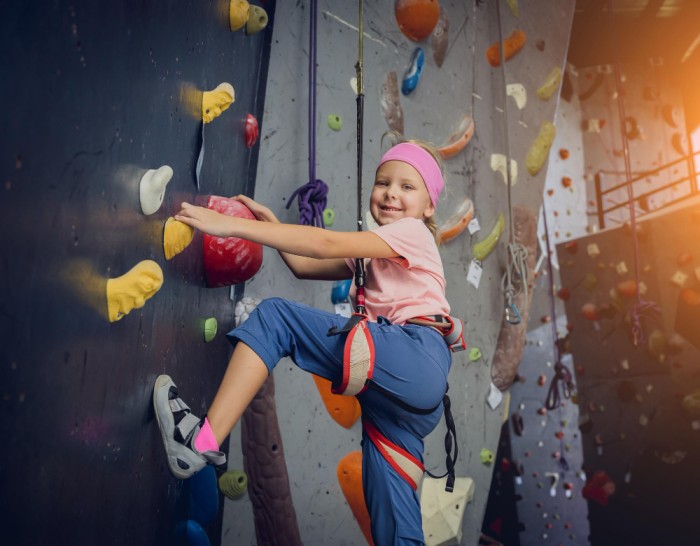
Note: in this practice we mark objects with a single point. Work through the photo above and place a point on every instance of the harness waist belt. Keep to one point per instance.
(405, 464)
(451, 328)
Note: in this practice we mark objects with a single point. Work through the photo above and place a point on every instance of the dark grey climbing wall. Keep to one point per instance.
(95, 93)
(633, 423)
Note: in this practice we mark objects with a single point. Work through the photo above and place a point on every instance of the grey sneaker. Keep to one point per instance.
(179, 428)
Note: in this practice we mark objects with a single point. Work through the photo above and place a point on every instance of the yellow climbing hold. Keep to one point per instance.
(550, 84)
(539, 151)
(233, 484)
(256, 21)
(238, 13)
(484, 247)
(216, 101)
(131, 290)
(176, 237)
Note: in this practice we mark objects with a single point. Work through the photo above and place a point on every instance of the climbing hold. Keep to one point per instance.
(442, 512)
(691, 403)
(566, 182)
(210, 328)
(216, 101)
(439, 40)
(203, 496)
(252, 130)
(679, 278)
(671, 115)
(152, 188)
(571, 247)
(257, 20)
(412, 75)
(679, 143)
(335, 122)
(486, 456)
(599, 488)
(593, 250)
(511, 45)
(457, 223)
(391, 103)
(628, 288)
(176, 237)
(131, 290)
(550, 84)
(328, 217)
(498, 164)
(233, 483)
(656, 344)
(590, 311)
(459, 139)
(513, 6)
(238, 14)
(621, 268)
(484, 247)
(416, 18)
(243, 308)
(517, 423)
(564, 153)
(564, 294)
(344, 410)
(191, 533)
(474, 354)
(539, 150)
(349, 474)
(230, 260)
(519, 94)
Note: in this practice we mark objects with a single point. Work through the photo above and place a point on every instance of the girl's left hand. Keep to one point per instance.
(206, 220)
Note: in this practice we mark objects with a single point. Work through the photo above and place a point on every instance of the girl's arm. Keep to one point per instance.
(309, 252)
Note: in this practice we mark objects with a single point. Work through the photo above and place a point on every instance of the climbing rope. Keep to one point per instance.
(641, 307)
(516, 260)
(359, 262)
(312, 196)
(562, 376)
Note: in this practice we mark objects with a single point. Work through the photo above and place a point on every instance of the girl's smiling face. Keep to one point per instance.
(399, 192)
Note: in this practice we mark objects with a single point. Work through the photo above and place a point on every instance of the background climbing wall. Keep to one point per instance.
(637, 434)
(465, 85)
(656, 133)
(99, 93)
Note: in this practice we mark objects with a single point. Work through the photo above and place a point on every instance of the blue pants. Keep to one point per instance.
(412, 362)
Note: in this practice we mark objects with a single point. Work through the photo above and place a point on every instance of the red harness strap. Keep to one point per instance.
(405, 464)
(358, 358)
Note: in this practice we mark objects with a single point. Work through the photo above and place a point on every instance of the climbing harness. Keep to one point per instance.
(312, 196)
(516, 268)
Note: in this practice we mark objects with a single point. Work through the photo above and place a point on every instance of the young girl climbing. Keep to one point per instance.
(403, 361)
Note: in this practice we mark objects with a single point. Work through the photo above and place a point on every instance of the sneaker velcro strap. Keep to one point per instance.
(176, 404)
(217, 458)
(186, 427)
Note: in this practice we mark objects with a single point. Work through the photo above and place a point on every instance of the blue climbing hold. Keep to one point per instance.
(412, 75)
(191, 533)
(340, 292)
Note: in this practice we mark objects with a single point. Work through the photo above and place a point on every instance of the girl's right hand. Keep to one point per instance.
(261, 212)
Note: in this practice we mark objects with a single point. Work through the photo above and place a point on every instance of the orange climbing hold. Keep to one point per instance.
(511, 45)
(564, 153)
(344, 410)
(590, 311)
(350, 480)
(417, 18)
(566, 182)
(628, 288)
(458, 140)
(458, 222)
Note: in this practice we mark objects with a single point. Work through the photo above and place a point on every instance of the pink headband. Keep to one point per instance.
(422, 161)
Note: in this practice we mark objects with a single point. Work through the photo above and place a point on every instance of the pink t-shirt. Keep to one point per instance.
(408, 286)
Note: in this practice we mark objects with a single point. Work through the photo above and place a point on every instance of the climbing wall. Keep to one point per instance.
(638, 403)
(97, 95)
(465, 85)
(656, 133)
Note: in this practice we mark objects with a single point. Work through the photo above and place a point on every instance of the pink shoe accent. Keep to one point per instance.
(205, 440)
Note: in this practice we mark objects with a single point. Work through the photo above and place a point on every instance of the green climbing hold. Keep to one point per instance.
(474, 354)
(328, 217)
(233, 484)
(335, 122)
(210, 328)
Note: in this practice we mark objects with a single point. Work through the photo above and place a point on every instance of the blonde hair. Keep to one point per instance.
(395, 138)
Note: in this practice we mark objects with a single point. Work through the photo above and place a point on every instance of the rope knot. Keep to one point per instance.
(312, 199)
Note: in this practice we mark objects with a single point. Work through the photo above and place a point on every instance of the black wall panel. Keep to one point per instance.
(94, 94)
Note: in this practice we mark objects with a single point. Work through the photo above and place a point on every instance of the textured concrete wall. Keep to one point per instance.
(465, 84)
